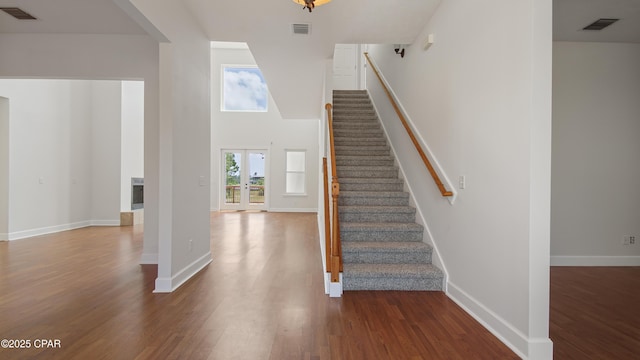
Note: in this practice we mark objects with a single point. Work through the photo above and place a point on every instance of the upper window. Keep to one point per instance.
(243, 89)
(295, 168)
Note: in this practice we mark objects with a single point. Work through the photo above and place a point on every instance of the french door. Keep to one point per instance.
(244, 180)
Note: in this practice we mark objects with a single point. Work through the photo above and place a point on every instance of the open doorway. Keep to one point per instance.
(71, 143)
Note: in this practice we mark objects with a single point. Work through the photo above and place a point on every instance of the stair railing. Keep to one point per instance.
(332, 220)
(415, 142)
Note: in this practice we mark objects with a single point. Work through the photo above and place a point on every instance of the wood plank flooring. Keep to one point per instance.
(261, 298)
(595, 312)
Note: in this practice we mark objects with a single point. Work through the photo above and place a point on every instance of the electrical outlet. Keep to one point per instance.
(632, 240)
(190, 245)
(629, 240)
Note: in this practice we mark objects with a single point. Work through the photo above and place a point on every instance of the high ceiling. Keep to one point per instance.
(286, 59)
(291, 64)
(68, 17)
(341, 21)
(570, 16)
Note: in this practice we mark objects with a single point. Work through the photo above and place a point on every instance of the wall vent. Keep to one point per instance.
(18, 13)
(600, 24)
(301, 29)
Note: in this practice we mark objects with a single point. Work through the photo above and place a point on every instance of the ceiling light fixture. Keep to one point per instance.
(310, 4)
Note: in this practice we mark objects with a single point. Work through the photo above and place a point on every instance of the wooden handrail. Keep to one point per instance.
(415, 142)
(336, 247)
(327, 219)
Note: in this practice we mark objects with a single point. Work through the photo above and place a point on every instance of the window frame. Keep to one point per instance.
(287, 172)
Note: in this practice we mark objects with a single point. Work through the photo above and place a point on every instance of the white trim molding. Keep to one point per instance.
(23, 234)
(526, 348)
(47, 230)
(294, 210)
(167, 285)
(149, 259)
(335, 288)
(105, 222)
(595, 260)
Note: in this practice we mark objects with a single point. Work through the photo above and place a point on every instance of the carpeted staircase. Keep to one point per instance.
(381, 242)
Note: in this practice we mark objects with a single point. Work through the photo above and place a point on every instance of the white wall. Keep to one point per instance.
(480, 98)
(49, 122)
(261, 130)
(90, 56)
(63, 155)
(184, 146)
(132, 139)
(177, 118)
(106, 104)
(4, 168)
(596, 152)
(91, 113)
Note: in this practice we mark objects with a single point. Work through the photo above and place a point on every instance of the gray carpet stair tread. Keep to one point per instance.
(361, 140)
(356, 157)
(361, 148)
(374, 194)
(380, 227)
(346, 180)
(376, 209)
(380, 246)
(392, 270)
(367, 168)
(365, 161)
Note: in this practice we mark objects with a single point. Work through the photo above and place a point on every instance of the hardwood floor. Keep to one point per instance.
(595, 312)
(261, 298)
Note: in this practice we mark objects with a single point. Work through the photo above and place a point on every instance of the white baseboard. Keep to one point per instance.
(105, 222)
(17, 235)
(163, 285)
(47, 230)
(294, 210)
(149, 259)
(167, 285)
(595, 261)
(540, 349)
(524, 347)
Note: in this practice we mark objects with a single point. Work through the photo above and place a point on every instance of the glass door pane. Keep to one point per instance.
(256, 178)
(244, 180)
(232, 177)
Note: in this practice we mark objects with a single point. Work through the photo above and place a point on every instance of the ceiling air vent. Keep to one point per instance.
(600, 24)
(18, 13)
(301, 29)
